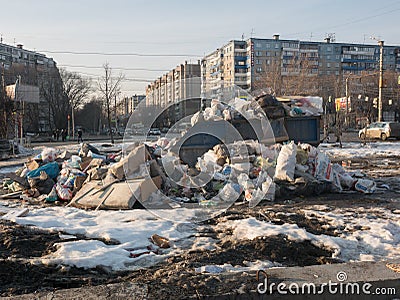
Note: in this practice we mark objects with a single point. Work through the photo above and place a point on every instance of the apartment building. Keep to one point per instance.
(18, 55)
(29, 66)
(225, 66)
(246, 63)
(181, 83)
(129, 104)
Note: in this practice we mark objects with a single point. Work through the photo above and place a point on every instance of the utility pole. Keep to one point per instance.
(22, 103)
(380, 42)
(346, 120)
(73, 120)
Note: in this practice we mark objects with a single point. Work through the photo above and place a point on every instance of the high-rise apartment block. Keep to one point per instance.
(10, 55)
(30, 68)
(179, 89)
(245, 63)
(174, 85)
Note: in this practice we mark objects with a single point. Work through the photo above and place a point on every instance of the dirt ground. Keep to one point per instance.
(176, 278)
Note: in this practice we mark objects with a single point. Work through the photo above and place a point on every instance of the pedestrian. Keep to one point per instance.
(54, 134)
(63, 135)
(80, 135)
(57, 134)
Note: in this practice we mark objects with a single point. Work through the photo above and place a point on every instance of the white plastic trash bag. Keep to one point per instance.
(49, 154)
(286, 162)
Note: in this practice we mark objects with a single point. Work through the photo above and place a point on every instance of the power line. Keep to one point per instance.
(320, 29)
(124, 79)
(119, 54)
(116, 68)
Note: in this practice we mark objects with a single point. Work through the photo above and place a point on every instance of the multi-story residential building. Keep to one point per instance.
(30, 67)
(226, 65)
(18, 55)
(180, 83)
(131, 103)
(247, 63)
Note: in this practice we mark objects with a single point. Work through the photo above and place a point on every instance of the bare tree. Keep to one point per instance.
(298, 78)
(288, 77)
(271, 77)
(51, 88)
(109, 87)
(76, 88)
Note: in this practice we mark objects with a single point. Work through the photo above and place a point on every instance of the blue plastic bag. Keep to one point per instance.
(51, 170)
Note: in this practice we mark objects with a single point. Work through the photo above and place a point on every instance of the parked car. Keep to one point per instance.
(380, 130)
(154, 131)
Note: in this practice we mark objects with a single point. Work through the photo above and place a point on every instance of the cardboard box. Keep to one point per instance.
(120, 195)
(131, 163)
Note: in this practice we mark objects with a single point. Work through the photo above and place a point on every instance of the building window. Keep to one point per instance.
(268, 62)
(268, 46)
(328, 57)
(259, 70)
(258, 61)
(328, 65)
(258, 53)
(258, 45)
(329, 49)
(276, 46)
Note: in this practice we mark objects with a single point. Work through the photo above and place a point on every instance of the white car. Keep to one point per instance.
(380, 130)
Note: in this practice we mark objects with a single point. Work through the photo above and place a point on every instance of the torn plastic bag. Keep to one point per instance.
(63, 193)
(49, 155)
(73, 162)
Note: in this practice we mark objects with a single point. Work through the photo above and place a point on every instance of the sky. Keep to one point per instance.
(179, 31)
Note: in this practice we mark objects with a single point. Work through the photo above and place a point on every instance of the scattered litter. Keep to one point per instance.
(160, 241)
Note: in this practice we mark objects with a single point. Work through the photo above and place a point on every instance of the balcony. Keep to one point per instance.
(239, 50)
(356, 60)
(290, 49)
(309, 50)
(240, 82)
(354, 52)
(240, 58)
(353, 68)
(241, 74)
(215, 73)
(241, 66)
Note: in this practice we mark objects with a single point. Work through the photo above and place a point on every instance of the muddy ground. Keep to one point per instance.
(176, 278)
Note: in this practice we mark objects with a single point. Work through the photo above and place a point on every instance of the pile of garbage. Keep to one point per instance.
(215, 174)
(241, 171)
